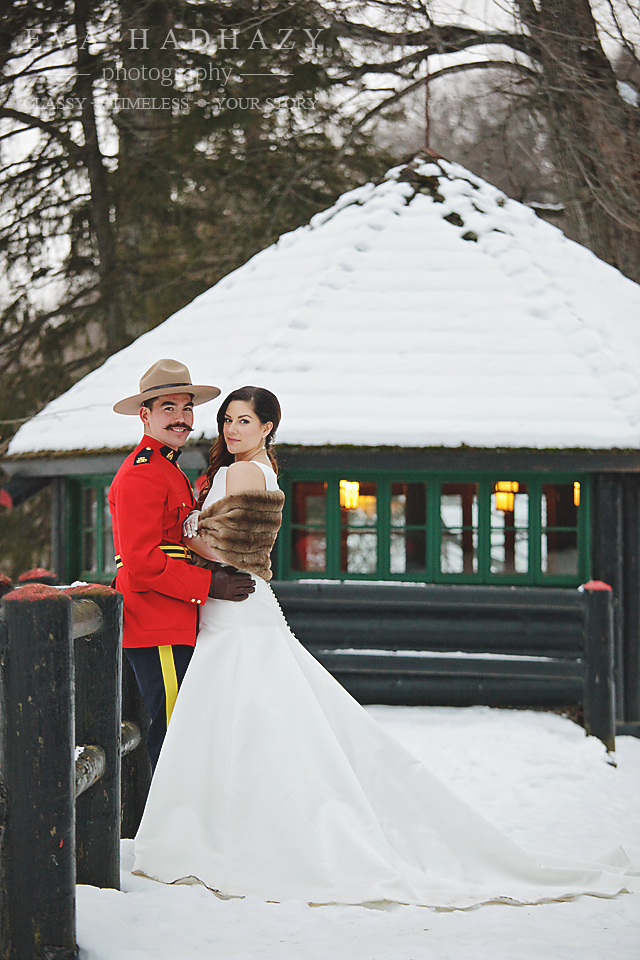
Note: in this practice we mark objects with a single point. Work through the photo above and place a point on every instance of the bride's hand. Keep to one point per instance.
(190, 525)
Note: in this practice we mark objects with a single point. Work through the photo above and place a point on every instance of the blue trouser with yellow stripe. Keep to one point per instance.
(159, 672)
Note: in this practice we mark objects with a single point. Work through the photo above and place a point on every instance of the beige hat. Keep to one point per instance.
(165, 376)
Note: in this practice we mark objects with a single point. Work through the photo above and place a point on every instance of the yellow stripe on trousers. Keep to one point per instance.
(170, 679)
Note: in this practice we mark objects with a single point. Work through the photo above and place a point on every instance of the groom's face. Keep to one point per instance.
(170, 419)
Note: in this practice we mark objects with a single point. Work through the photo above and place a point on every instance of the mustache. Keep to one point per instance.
(184, 426)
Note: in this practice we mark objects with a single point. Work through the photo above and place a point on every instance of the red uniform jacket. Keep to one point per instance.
(149, 499)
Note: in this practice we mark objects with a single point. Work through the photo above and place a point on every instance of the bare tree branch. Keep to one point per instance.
(37, 123)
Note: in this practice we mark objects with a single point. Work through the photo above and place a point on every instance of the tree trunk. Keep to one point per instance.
(113, 325)
(594, 134)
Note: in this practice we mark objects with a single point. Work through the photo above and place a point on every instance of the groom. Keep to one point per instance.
(150, 497)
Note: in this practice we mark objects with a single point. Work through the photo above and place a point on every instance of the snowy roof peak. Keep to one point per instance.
(431, 177)
(426, 310)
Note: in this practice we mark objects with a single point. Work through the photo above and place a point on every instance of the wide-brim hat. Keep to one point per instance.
(165, 376)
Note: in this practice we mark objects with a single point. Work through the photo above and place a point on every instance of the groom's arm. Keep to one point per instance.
(150, 510)
(147, 511)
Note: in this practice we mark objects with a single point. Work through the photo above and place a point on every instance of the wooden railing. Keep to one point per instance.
(463, 645)
(60, 652)
(61, 685)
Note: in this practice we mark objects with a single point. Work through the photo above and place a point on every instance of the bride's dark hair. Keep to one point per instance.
(266, 408)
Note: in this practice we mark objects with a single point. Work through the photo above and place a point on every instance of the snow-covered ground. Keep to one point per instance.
(535, 775)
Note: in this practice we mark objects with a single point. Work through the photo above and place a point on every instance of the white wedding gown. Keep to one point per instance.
(274, 781)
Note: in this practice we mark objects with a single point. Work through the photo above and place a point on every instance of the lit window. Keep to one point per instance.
(509, 527)
(358, 535)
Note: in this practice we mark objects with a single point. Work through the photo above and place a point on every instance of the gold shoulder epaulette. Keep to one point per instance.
(144, 456)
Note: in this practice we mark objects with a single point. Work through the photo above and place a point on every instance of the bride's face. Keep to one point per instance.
(244, 434)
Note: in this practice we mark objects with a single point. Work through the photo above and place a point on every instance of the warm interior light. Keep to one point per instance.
(505, 491)
(349, 494)
(576, 494)
(505, 501)
(367, 505)
(507, 486)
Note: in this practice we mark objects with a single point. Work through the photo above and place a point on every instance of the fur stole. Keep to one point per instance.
(241, 528)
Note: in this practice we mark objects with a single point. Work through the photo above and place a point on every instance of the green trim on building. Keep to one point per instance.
(90, 554)
(443, 546)
(409, 525)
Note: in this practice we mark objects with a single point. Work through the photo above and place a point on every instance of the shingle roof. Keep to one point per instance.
(427, 310)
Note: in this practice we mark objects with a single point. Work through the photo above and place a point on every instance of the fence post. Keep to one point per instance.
(38, 864)
(599, 695)
(98, 660)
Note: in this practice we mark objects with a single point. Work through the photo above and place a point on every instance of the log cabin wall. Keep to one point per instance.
(614, 520)
(615, 558)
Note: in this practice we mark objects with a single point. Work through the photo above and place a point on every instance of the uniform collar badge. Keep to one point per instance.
(170, 454)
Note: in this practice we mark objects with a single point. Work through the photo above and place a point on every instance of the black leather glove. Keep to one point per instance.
(227, 583)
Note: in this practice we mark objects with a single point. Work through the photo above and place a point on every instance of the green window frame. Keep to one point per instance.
(90, 545)
(90, 554)
(531, 544)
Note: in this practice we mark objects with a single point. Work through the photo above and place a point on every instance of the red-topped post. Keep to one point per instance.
(37, 890)
(599, 695)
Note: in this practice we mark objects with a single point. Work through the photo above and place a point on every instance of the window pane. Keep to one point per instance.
(109, 563)
(408, 551)
(558, 507)
(509, 550)
(358, 552)
(459, 505)
(559, 547)
(560, 552)
(459, 523)
(308, 551)
(89, 521)
(509, 523)
(459, 551)
(309, 508)
(365, 512)
(518, 516)
(309, 503)
(408, 504)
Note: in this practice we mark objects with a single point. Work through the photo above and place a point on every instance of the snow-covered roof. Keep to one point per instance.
(427, 310)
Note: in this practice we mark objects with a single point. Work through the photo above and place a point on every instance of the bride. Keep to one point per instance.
(274, 781)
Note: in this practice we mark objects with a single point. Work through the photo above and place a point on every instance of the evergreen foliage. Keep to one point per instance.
(142, 163)
(25, 535)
